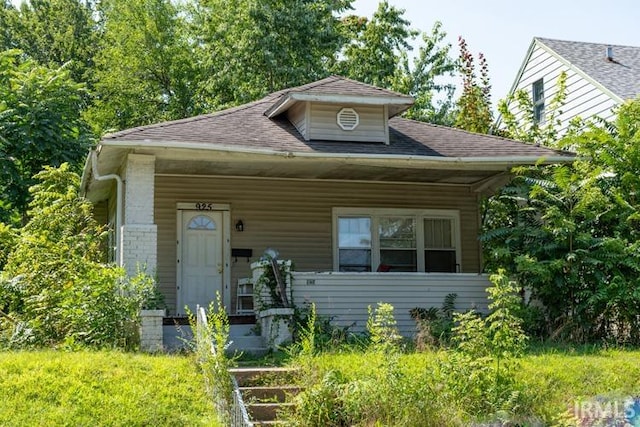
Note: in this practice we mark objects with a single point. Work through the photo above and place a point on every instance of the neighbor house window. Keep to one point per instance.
(408, 240)
(537, 91)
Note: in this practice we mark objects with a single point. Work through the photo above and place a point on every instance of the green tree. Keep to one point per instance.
(574, 241)
(474, 105)
(40, 124)
(374, 52)
(145, 70)
(425, 79)
(6, 36)
(55, 288)
(378, 53)
(54, 33)
(250, 48)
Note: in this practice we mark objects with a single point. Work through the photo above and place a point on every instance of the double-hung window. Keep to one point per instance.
(537, 95)
(369, 239)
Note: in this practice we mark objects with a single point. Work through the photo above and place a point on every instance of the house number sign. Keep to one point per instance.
(204, 206)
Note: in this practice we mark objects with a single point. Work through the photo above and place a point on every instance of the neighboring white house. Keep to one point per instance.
(600, 77)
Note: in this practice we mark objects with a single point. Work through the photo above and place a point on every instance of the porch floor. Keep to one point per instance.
(234, 319)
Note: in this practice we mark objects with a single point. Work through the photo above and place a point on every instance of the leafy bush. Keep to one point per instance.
(7, 242)
(434, 325)
(382, 328)
(480, 370)
(55, 289)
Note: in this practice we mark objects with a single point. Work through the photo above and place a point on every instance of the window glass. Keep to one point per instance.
(537, 90)
(354, 244)
(437, 233)
(397, 232)
(201, 222)
(440, 253)
(398, 243)
(354, 232)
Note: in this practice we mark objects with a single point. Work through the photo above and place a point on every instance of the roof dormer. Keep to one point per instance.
(339, 109)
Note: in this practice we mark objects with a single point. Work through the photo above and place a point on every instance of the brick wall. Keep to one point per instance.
(139, 232)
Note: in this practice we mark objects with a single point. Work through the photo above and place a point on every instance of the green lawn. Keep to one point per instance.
(47, 388)
(558, 387)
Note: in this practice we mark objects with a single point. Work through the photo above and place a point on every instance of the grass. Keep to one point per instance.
(47, 388)
(553, 383)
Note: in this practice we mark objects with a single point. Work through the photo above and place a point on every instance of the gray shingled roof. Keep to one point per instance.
(621, 76)
(246, 126)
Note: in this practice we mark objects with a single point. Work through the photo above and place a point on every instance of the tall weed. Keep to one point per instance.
(211, 344)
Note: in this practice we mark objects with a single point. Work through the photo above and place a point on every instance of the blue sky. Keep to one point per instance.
(503, 29)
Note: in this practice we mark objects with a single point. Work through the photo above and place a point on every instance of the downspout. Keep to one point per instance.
(98, 177)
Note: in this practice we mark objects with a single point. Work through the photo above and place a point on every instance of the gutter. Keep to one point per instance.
(94, 168)
(434, 160)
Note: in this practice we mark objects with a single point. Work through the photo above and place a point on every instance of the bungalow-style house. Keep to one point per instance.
(599, 78)
(367, 205)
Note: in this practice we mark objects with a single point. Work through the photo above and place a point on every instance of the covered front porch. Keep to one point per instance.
(344, 297)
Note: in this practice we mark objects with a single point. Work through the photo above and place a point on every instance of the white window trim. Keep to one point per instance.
(418, 214)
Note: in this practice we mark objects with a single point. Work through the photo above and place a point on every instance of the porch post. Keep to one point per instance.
(139, 233)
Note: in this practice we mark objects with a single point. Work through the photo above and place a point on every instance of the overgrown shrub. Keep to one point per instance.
(55, 288)
(434, 325)
(480, 370)
(376, 397)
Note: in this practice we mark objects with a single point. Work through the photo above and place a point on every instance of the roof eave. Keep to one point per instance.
(428, 161)
(397, 104)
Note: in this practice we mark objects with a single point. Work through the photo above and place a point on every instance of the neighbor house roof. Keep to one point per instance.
(619, 74)
(248, 128)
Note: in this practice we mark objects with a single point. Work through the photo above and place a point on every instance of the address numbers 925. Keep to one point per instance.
(204, 206)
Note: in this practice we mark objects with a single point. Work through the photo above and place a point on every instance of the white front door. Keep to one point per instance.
(201, 259)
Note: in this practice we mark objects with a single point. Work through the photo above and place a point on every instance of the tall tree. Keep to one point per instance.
(374, 53)
(251, 47)
(426, 79)
(54, 33)
(145, 70)
(378, 54)
(40, 125)
(474, 105)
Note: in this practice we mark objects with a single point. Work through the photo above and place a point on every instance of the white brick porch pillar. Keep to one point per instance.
(139, 233)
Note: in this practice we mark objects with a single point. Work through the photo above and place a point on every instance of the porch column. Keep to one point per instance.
(139, 233)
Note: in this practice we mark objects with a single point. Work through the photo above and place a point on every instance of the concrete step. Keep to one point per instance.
(266, 411)
(276, 393)
(271, 423)
(263, 376)
(249, 344)
(241, 330)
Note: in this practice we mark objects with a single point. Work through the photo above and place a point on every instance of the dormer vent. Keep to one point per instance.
(348, 119)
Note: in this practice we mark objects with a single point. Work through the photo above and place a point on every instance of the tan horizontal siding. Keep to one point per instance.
(344, 297)
(323, 123)
(295, 217)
